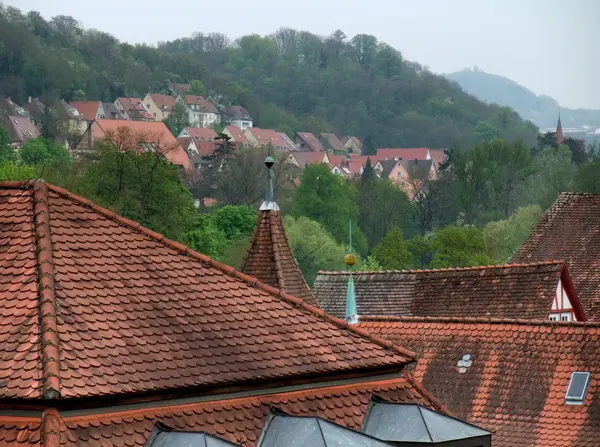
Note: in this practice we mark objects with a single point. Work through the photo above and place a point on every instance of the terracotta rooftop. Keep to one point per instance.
(163, 102)
(419, 153)
(570, 232)
(311, 142)
(237, 135)
(309, 158)
(238, 113)
(333, 141)
(134, 106)
(205, 106)
(99, 310)
(89, 109)
(505, 291)
(201, 133)
(20, 128)
(510, 376)
(438, 155)
(155, 131)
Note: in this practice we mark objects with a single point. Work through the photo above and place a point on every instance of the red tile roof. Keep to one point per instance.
(419, 153)
(237, 419)
(505, 291)
(438, 155)
(96, 305)
(311, 142)
(336, 159)
(237, 134)
(20, 129)
(333, 141)
(134, 106)
(517, 379)
(570, 231)
(163, 102)
(205, 106)
(269, 258)
(89, 109)
(266, 137)
(202, 133)
(155, 131)
(304, 158)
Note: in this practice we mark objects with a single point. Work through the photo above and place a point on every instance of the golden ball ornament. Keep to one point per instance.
(350, 259)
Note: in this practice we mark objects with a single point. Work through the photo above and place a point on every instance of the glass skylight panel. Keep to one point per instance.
(578, 387)
(337, 436)
(186, 439)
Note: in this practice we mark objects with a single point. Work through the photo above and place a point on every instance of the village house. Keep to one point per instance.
(36, 110)
(115, 335)
(202, 113)
(111, 111)
(267, 137)
(239, 117)
(71, 120)
(20, 129)
(408, 175)
(137, 135)
(534, 383)
(132, 109)
(306, 141)
(199, 133)
(353, 145)
(331, 142)
(538, 291)
(237, 136)
(159, 106)
(570, 232)
(409, 153)
(10, 108)
(302, 159)
(91, 110)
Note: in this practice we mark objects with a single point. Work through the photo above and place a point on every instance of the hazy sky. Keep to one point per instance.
(549, 46)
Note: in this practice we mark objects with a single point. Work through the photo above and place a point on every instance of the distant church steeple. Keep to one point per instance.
(560, 137)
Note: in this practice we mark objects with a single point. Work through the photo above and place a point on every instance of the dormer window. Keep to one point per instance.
(578, 387)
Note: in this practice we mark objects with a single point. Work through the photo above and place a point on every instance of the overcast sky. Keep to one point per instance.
(549, 46)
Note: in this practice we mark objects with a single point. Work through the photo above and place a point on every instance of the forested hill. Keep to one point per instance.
(542, 110)
(290, 80)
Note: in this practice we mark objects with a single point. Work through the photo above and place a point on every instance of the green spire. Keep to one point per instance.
(269, 203)
(351, 312)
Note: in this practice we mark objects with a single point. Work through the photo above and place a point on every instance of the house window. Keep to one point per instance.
(399, 174)
(154, 114)
(553, 317)
(565, 316)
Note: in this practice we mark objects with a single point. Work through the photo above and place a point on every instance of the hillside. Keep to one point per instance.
(541, 110)
(291, 80)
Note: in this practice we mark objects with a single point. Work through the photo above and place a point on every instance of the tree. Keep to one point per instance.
(38, 151)
(470, 168)
(554, 173)
(330, 200)
(313, 247)
(455, 246)
(7, 153)
(486, 132)
(392, 252)
(504, 237)
(235, 221)
(9, 170)
(588, 177)
(207, 239)
(197, 88)
(178, 119)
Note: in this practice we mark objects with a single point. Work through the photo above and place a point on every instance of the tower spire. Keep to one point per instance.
(350, 259)
(560, 137)
(269, 203)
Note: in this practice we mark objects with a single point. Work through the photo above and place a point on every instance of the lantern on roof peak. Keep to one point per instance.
(269, 202)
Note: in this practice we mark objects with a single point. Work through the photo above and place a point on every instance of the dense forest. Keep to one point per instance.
(290, 80)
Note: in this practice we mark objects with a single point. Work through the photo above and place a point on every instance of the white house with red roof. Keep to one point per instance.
(202, 113)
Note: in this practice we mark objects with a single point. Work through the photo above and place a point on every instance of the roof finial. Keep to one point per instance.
(269, 203)
(350, 259)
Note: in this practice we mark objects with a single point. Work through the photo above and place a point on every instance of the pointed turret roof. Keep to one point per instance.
(269, 256)
(560, 137)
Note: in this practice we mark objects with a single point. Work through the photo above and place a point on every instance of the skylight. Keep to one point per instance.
(291, 431)
(165, 436)
(578, 387)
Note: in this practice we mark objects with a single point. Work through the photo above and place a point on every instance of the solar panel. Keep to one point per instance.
(578, 386)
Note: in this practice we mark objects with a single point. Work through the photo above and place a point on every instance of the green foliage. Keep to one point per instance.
(369, 265)
(11, 171)
(504, 237)
(207, 239)
(313, 247)
(197, 88)
(7, 153)
(455, 246)
(393, 253)
(554, 173)
(486, 132)
(178, 119)
(39, 151)
(291, 80)
(330, 200)
(235, 221)
(588, 177)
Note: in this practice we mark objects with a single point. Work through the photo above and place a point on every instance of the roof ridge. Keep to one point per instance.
(291, 300)
(46, 292)
(474, 320)
(448, 269)
(51, 421)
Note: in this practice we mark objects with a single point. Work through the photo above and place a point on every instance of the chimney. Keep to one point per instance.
(29, 100)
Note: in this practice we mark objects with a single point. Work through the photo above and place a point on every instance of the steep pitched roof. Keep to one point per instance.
(270, 259)
(309, 158)
(35, 108)
(95, 305)
(510, 376)
(570, 232)
(89, 109)
(560, 136)
(419, 153)
(110, 111)
(333, 141)
(134, 106)
(238, 113)
(20, 128)
(163, 102)
(438, 155)
(417, 169)
(205, 106)
(201, 134)
(154, 130)
(237, 134)
(311, 142)
(237, 419)
(505, 291)
(266, 137)
(9, 108)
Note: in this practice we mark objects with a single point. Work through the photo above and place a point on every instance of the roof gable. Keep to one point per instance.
(570, 232)
(205, 106)
(333, 141)
(20, 128)
(201, 133)
(89, 109)
(124, 310)
(163, 102)
(505, 291)
(311, 141)
(509, 376)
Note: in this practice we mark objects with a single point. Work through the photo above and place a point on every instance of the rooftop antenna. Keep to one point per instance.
(269, 203)
(350, 259)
